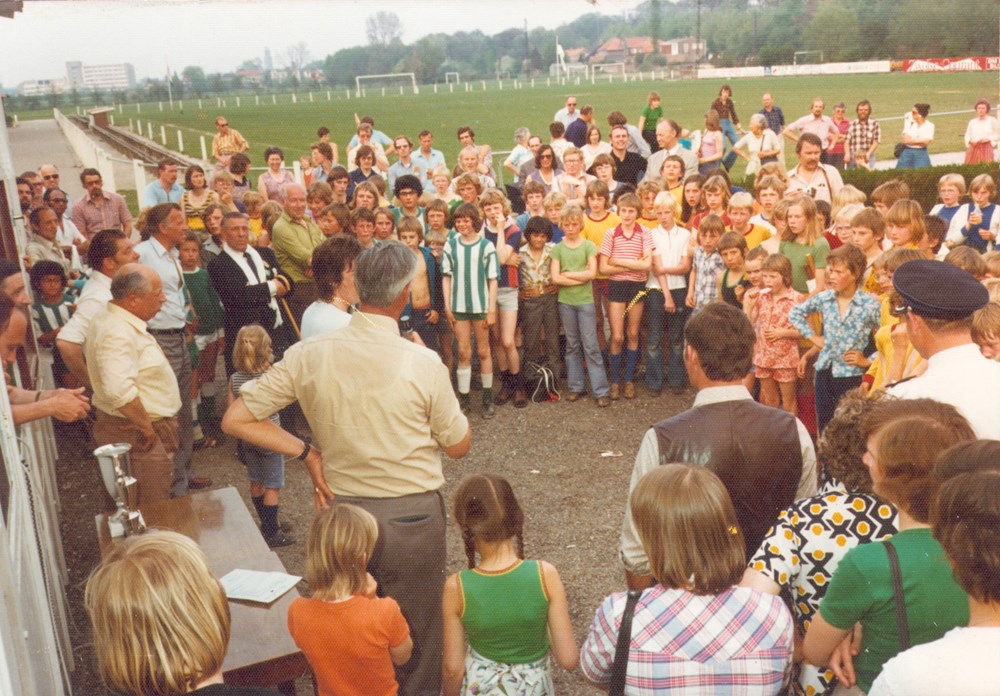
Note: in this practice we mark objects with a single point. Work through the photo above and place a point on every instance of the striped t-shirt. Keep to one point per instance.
(471, 267)
(50, 317)
(617, 245)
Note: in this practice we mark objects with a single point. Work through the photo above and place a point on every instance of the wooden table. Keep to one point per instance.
(261, 651)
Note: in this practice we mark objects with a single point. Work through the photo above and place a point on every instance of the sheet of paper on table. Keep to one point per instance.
(256, 585)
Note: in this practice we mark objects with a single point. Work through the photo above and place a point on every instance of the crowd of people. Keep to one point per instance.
(803, 310)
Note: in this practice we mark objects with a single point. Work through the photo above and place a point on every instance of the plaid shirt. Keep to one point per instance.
(707, 268)
(861, 136)
(736, 642)
(229, 144)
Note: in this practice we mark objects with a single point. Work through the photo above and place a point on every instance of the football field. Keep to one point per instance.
(494, 113)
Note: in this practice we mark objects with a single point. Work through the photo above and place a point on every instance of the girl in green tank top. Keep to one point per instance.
(504, 614)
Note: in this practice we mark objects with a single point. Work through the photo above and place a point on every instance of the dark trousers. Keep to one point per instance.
(427, 331)
(657, 316)
(409, 565)
(535, 313)
(179, 357)
(828, 390)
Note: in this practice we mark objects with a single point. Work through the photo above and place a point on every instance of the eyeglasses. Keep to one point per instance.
(51, 176)
(221, 125)
(58, 200)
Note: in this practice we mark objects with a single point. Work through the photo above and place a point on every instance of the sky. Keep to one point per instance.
(220, 34)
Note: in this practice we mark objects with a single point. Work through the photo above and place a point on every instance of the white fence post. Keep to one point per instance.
(180, 141)
(256, 99)
(204, 150)
(149, 129)
(237, 101)
(138, 108)
(163, 135)
(139, 174)
(274, 99)
(297, 172)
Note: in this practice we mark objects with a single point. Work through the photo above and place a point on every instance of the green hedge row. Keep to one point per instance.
(922, 182)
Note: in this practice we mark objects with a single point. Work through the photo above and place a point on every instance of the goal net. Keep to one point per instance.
(450, 77)
(388, 83)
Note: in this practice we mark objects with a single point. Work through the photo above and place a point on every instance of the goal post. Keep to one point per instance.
(450, 77)
(386, 80)
(609, 69)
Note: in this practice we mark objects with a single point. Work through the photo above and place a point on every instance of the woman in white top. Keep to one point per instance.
(981, 135)
(918, 133)
(965, 519)
(333, 270)
(520, 154)
(594, 147)
(761, 145)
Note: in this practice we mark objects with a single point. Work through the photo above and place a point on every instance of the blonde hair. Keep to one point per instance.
(571, 212)
(813, 230)
(665, 199)
(846, 196)
(253, 200)
(160, 618)
(555, 198)
(492, 196)
(953, 179)
(270, 213)
(992, 261)
(341, 542)
(252, 352)
(986, 320)
(741, 200)
(984, 182)
(908, 213)
(688, 529)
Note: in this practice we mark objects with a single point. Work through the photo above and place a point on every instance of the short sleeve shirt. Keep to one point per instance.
(575, 259)
(617, 244)
(471, 267)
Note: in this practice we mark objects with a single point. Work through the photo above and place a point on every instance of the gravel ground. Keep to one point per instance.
(573, 500)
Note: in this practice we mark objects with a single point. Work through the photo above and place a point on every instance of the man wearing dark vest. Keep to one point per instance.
(763, 455)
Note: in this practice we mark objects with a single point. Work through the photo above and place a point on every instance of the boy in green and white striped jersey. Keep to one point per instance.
(469, 271)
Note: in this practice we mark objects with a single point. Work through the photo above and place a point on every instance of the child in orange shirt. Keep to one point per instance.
(350, 637)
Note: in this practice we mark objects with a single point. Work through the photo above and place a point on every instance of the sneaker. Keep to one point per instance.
(489, 410)
(573, 396)
(603, 402)
(616, 392)
(280, 539)
(629, 391)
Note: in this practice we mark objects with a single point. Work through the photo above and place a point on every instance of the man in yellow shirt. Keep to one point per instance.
(135, 390)
(227, 142)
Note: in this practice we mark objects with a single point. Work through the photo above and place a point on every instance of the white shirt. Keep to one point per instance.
(94, 298)
(962, 377)
(672, 247)
(320, 318)
(565, 117)
(261, 275)
(66, 236)
(826, 187)
(962, 662)
(985, 129)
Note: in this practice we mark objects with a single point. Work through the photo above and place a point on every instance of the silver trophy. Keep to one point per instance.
(116, 470)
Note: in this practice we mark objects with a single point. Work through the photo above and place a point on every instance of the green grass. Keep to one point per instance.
(494, 113)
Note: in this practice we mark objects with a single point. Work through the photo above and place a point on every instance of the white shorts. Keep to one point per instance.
(507, 299)
(207, 339)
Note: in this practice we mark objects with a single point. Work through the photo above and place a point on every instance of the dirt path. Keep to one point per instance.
(573, 500)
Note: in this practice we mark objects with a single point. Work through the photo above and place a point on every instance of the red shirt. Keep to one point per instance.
(618, 245)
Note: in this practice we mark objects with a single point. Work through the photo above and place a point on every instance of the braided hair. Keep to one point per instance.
(485, 508)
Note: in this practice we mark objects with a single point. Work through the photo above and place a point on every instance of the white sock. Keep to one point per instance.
(464, 375)
(487, 380)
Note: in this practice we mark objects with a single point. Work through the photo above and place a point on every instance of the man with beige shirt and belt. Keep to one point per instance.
(381, 409)
(135, 390)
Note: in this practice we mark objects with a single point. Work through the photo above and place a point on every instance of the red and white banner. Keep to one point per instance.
(967, 64)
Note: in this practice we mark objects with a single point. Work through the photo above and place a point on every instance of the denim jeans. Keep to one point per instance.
(580, 328)
(728, 131)
(913, 158)
(657, 316)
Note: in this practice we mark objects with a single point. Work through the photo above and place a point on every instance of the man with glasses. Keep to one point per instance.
(227, 142)
(99, 209)
(68, 236)
(50, 179)
(567, 114)
(165, 188)
(405, 164)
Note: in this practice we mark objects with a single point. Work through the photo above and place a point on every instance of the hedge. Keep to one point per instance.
(922, 182)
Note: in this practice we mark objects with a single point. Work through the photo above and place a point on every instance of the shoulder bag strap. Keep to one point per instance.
(617, 685)
(897, 593)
